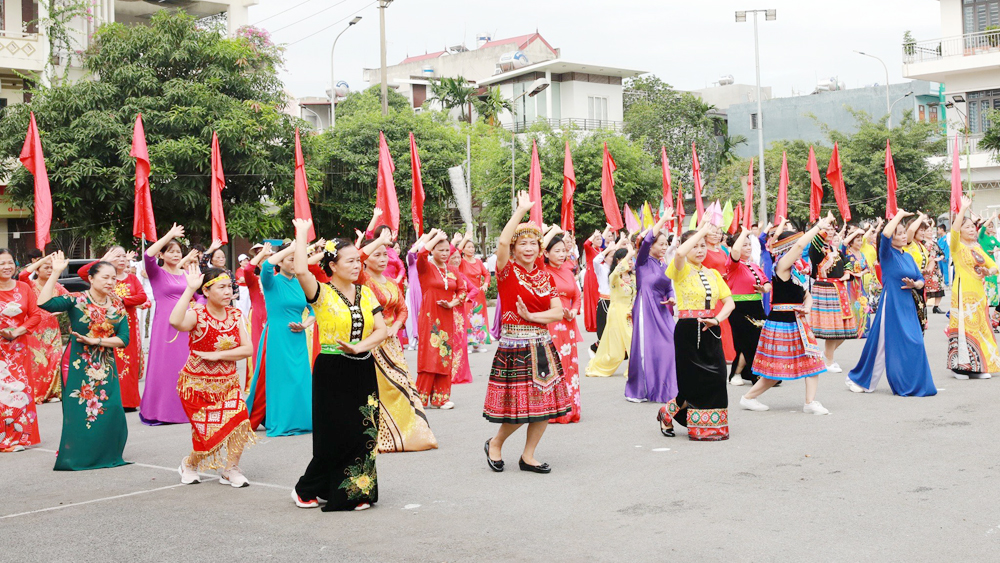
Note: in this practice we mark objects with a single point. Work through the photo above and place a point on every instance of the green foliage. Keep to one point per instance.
(454, 93)
(637, 179)
(187, 82)
(991, 137)
(862, 155)
(657, 115)
(493, 105)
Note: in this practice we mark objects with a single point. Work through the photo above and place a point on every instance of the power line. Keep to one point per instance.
(282, 12)
(365, 7)
(309, 17)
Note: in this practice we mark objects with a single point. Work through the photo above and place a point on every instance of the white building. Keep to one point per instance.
(966, 59)
(25, 51)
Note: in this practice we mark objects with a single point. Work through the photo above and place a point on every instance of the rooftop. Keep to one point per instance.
(560, 66)
(424, 57)
(516, 43)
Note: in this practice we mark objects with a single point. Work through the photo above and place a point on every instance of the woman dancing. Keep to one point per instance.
(748, 283)
(46, 348)
(565, 332)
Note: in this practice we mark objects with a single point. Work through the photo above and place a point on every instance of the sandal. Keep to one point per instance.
(665, 429)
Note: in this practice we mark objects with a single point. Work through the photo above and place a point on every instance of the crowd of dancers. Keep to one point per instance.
(322, 325)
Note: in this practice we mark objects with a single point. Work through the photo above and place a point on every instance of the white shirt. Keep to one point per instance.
(755, 252)
(603, 273)
(491, 263)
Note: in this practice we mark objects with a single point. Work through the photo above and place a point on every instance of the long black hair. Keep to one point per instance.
(620, 254)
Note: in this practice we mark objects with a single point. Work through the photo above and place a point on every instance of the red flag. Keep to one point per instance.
(835, 174)
(956, 181)
(535, 186)
(697, 183)
(33, 159)
(385, 197)
(816, 187)
(668, 195)
(218, 184)
(781, 208)
(891, 183)
(734, 224)
(302, 210)
(569, 188)
(679, 212)
(143, 224)
(748, 198)
(611, 211)
(418, 189)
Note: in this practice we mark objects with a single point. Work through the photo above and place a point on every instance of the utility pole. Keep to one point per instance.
(382, 5)
(769, 15)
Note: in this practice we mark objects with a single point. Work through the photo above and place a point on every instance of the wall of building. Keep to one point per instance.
(951, 18)
(730, 94)
(475, 65)
(788, 118)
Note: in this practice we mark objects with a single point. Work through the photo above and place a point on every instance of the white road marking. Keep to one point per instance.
(60, 507)
(411, 506)
(661, 449)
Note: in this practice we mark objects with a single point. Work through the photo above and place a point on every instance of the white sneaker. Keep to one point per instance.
(753, 405)
(304, 503)
(362, 506)
(980, 376)
(635, 400)
(233, 477)
(854, 387)
(189, 475)
(961, 376)
(834, 368)
(17, 448)
(448, 406)
(737, 382)
(815, 408)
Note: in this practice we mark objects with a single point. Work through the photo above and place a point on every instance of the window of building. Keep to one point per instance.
(597, 108)
(979, 106)
(977, 15)
(923, 112)
(753, 120)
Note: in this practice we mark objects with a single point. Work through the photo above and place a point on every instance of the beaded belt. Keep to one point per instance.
(522, 331)
(784, 307)
(695, 313)
(748, 297)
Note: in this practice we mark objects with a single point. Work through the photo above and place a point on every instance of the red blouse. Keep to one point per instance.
(391, 295)
(743, 275)
(536, 288)
(476, 272)
(213, 335)
(717, 260)
(565, 286)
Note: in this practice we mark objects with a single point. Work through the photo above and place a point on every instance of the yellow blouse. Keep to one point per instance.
(690, 285)
(871, 255)
(919, 254)
(336, 320)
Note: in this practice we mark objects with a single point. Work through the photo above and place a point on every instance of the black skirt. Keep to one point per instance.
(345, 433)
(701, 372)
(746, 335)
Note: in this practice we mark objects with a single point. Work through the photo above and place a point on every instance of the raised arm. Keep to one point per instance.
(911, 231)
(276, 259)
(182, 317)
(384, 239)
(306, 279)
(265, 252)
(890, 228)
(784, 265)
(177, 231)
(59, 264)
(524, 205)
(736, 252)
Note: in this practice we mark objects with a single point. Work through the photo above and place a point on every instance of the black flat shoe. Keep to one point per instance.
(494, 465)
(660, 417)
(543, 468)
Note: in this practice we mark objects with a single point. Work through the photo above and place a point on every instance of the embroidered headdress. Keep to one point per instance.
(528, 229)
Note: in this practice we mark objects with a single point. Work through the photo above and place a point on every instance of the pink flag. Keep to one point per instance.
(418, 188)
(385, 196)
(631, 220)
(302, 210)
(218, 184)
(781, 208)
(535, 186)
(611, 212)
(891, 183)
(697, 183)
(143, 224)
(33, 159)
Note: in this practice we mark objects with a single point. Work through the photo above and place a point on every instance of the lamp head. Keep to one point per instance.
(771, 15)
(959, 99)
(741, 16)
(355, 20)
(537, 86)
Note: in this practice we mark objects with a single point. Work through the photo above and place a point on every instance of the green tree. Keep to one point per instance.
(493, 105)
(656, 115)
(922, 185)
(187, 82)
(454, 93)
(991, 137)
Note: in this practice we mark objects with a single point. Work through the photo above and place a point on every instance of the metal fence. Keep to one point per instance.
(959, 46)
(966, 145)
(568, 123)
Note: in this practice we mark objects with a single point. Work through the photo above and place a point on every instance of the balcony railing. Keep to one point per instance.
(966, 145)
(568, 123)
(960, 46)
(20, 50)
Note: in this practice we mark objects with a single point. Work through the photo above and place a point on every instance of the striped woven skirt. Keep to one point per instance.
(526, 379)
(831, 316)
(781, 354)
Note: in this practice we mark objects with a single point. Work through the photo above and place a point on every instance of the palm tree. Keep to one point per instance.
(492, 105)
(452, 93)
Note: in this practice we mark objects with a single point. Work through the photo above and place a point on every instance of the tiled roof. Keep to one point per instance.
(520, 41)
(424, 57)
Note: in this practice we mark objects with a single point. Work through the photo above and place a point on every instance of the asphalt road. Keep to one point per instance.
(882, 478)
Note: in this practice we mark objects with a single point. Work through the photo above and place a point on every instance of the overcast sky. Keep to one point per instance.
(689, 44)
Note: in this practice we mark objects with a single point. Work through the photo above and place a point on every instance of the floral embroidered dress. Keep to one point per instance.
(479, 329)
(129, 359)
(93, 429)
(46, 351)
(444, 348)
(18, 419)
(210, 390)
(856, 263)
(345, 403)
(972, 348)
(566, 335)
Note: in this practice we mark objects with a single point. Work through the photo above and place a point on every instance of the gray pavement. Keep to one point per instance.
(882, 478)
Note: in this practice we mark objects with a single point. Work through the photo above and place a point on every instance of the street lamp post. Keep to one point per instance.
(382, 5)
(536, 87)
(968, 144)
(888, 107)
(769, 15)
(333, 80)
(893, 104)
